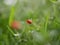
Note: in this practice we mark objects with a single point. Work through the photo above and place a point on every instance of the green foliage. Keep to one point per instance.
(45, 27)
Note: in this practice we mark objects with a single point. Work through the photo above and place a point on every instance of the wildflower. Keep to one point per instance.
(29, 21)
(17, 34)
(16, 25)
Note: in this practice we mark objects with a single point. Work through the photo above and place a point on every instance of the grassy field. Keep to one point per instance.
(29, 22)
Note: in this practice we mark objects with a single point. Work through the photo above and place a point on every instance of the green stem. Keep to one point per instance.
(11, 17)
(10, 30)
(47, 15)
(46, 23)
(46, 20)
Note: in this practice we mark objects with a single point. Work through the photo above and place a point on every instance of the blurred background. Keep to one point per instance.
(29, 22)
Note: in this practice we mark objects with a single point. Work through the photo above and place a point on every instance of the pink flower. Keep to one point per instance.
(16, 25)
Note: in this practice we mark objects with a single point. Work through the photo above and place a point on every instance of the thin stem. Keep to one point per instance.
(46, 20)
(10, 30)
(46, 23)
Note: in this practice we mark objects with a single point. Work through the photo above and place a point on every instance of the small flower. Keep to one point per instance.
(16, 25)
(17, 34)
(29, 21)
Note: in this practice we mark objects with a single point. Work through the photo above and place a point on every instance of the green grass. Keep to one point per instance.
(45, 27)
